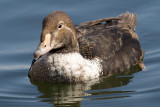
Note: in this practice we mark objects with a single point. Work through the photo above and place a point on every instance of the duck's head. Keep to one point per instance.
(58, 32)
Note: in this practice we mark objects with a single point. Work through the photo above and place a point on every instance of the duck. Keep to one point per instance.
(90, 50)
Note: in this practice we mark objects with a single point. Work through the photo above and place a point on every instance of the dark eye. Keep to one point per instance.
(60, 25)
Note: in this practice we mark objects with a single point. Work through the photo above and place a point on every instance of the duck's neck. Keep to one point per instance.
(73, 46)
(70, 48)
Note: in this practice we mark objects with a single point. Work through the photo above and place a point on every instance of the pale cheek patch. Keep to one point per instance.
(74, 67)
(69, 29)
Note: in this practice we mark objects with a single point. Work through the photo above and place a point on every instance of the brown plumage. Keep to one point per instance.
(112, 41)
(115, 42)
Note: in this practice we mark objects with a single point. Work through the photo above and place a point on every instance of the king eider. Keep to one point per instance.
(92, 49)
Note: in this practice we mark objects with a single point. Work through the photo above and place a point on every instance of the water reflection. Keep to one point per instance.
(64, 94)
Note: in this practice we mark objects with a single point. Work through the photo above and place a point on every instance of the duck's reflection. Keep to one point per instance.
(63, 94)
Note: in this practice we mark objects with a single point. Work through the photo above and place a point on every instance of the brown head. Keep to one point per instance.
(58, 32)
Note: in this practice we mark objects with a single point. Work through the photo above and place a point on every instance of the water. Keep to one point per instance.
(20, 28)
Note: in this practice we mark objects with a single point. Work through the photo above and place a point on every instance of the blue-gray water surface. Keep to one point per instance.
(20, 28)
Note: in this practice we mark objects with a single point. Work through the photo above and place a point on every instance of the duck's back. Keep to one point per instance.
(114, 42)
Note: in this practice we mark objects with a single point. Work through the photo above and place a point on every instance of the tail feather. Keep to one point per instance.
(128, 18)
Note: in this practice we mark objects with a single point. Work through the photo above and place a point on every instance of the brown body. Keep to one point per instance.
(115, 42)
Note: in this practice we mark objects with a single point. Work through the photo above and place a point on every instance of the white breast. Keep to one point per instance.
(74, 66)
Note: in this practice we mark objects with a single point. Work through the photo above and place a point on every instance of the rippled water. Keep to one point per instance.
(20, 28)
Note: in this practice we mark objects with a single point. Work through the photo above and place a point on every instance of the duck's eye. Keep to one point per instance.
(60, 25)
